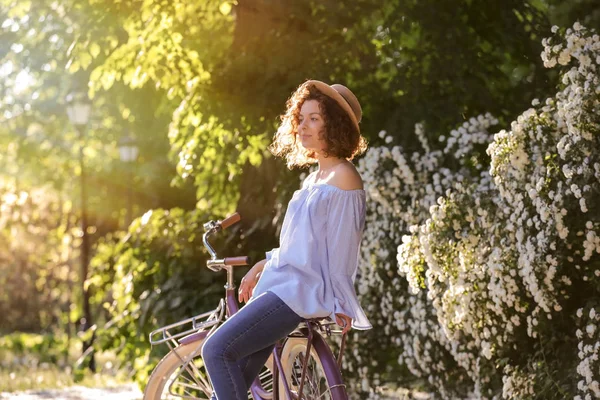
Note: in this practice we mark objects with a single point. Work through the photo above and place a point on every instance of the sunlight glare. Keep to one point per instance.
(16, 47)
(6, 69)
(23, 81)
(7, 23)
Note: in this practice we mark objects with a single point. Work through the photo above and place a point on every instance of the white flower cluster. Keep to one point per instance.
(546, 170)
(402, 188)
(589, 350)
(462, 141)
(517, 384)
(488, 256)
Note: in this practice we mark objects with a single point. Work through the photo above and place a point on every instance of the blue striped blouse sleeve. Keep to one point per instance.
(273, 255)
(345, 223)
(269, 253)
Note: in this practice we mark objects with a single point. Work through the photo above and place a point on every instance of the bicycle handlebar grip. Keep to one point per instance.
(242, 260)
(232, 219)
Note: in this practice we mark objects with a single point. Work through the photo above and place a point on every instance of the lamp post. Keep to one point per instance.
(79, 109)
(128, 152)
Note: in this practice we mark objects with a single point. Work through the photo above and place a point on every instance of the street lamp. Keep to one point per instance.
(79, 109)
(128, 152)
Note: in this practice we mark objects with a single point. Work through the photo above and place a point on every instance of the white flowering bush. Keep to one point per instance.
(588, 348)
(408, 339)
(475, 261)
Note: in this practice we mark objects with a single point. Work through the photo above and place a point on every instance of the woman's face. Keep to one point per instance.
(311, 126)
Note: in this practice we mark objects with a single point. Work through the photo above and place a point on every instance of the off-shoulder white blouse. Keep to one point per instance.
(314, 268)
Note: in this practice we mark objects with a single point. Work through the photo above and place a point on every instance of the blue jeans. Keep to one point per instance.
(236, 352)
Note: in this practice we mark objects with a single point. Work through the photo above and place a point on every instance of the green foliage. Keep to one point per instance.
(37, 269)
(40, 153)
(441, 63)
(40, 146)
(46, 348)
(565, 13)
(43, 361)
(154, 275)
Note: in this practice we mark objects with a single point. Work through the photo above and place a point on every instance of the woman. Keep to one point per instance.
(311, 274)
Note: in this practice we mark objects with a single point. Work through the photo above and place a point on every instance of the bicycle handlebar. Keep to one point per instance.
(242, 260)
(232, 219)
(216, 264)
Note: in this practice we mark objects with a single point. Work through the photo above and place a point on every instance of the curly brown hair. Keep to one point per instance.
(341, 136)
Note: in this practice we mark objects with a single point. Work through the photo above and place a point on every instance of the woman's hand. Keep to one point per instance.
(249, 281)
(344, 321)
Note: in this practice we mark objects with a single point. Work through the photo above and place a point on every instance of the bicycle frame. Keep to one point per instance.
(229, 305)
(314, 339)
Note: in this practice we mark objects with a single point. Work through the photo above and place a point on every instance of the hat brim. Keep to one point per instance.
(335, 95)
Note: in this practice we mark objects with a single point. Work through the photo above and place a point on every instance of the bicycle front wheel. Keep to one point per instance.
(322, 380)
(181, 375)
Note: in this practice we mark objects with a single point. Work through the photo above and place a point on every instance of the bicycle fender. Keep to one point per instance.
(194, 337)
(338, 389)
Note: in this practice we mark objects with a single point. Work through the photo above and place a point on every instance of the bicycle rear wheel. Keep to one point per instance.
(323, 379)
(181, 375)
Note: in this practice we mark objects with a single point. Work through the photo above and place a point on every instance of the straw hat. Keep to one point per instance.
(344, 97)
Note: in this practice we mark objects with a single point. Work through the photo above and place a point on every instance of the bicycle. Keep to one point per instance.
(301, 367)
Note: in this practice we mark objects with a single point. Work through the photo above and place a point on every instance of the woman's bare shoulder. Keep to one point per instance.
(346, 177)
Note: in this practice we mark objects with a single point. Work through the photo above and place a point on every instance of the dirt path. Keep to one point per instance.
(125, 392)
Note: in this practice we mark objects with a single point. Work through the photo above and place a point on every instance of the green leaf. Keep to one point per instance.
(225, 8)
(94, 50)
(73, 66)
